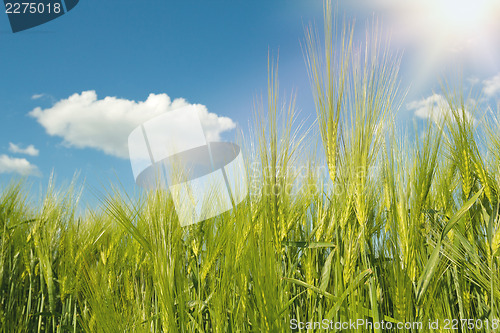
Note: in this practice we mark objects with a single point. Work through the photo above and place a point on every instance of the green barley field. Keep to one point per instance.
(351, 220)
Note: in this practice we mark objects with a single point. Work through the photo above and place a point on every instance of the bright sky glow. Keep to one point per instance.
(440, 33)
(456, 21)
(464, 13)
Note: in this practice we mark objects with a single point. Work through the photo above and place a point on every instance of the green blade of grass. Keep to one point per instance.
(433, 261)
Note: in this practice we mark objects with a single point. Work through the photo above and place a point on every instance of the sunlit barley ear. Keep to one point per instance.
(328, 66)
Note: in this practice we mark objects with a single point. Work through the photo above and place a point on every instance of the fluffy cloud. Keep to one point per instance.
(37, 96)
(434, 107)
(431, 107)
(492, 86)
(473, 80)
(84, 121)
(17, 165)
(30, 150)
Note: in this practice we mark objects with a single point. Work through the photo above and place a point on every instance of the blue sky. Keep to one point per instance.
(212, 53)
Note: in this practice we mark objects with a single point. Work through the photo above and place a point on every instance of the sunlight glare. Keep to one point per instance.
(463, 16)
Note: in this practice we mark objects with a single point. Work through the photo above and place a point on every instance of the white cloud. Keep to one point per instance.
(434, 107)
(431, 107)
(492, 86)
(30, 150)
(17, 165)
(84, 121)
(37, 96)
(473, 80)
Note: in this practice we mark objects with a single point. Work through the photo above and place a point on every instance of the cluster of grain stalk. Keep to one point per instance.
(397, 230)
